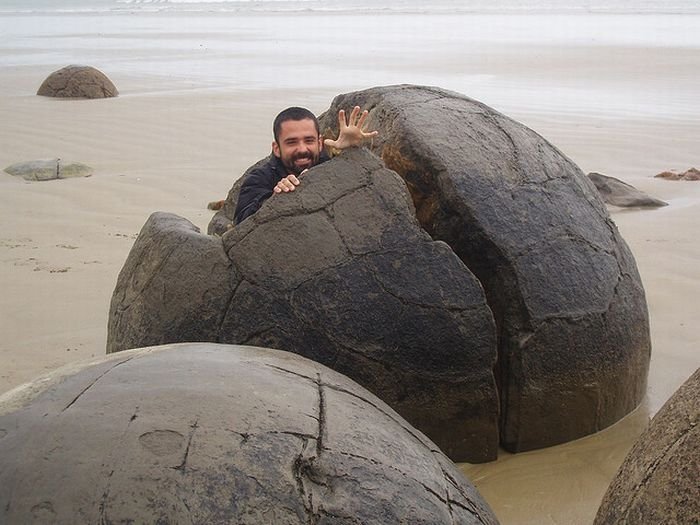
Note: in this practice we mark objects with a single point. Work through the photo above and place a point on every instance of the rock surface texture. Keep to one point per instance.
(202, 433)
(658, 481)
(618, 193)
(338, 271)
(49, 169)
(574, 342)
(77, 82)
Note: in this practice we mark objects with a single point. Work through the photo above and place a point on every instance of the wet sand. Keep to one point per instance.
(62, 243)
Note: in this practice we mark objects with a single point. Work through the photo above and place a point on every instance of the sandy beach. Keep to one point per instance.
(177, 138)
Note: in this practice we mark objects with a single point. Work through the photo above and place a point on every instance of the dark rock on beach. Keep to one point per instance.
(49, 169)
(78, 82)
(338, 271)
(574, 342)
(658, 481)
(618, 193)
(201, 433)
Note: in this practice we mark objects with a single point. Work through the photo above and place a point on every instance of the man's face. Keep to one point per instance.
(299, 145)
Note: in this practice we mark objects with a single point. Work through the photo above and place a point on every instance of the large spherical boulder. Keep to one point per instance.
(658, 481)
(201, 433)
(338, 271)
(574, 341)
(77, 82)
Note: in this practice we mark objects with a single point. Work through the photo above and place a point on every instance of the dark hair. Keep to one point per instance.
(293, 113)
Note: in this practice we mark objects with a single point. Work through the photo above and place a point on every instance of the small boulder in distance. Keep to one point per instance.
(49, 169)
(618, 193)
(77, 82)
(690, 174)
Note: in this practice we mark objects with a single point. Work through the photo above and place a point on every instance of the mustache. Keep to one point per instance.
(306, 155)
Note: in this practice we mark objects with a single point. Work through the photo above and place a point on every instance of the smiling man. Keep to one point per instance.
(297, 146)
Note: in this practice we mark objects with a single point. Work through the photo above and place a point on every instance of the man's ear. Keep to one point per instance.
(275, 149)
(320, 143)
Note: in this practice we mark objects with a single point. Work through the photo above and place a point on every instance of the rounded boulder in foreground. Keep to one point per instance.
(78, 82)
(658, 481)
(207, 433)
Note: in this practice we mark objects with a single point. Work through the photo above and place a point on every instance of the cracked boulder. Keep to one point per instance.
(203, 433)
(338, 271)
(572, 319)
(49, 169)
(658, 481)
(77, 82)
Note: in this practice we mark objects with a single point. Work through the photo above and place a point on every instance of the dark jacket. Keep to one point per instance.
(258, 185)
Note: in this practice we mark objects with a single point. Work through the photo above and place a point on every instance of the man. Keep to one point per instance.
(297, 146)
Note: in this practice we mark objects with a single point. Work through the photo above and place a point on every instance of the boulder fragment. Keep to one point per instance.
(49, 169)
(690, 175)
(76, 81)
(175, 287)
(574, 341)
(618, 193)
(338, 271)
(203, 433)
(658, 481)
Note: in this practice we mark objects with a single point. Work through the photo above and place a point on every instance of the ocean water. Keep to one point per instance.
(606, 58)
(375, 6)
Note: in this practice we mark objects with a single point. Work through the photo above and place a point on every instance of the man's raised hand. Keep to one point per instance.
(351, 131)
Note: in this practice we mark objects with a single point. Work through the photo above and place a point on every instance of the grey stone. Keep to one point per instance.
(49, 169)
(338, 271)
(174, 287)
(618, 193)
(76, 81)
(203, 433)
(573, 326)
(658, 481)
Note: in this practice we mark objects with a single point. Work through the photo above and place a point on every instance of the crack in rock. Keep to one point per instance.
(95, 381)
(183, 465)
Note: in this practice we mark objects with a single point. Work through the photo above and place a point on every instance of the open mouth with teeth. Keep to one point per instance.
(303, 162)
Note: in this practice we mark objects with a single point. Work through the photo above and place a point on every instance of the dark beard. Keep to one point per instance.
(296, 170)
